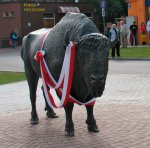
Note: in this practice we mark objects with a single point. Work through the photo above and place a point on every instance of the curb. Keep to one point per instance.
(129, 59)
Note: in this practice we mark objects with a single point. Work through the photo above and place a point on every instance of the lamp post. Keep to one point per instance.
(103, 5)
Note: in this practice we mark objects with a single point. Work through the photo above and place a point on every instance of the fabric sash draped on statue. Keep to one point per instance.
(63, 86)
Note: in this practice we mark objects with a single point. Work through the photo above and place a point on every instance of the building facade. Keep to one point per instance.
(24, 17)
(140, 9)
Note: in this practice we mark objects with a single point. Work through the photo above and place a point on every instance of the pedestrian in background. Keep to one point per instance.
(131, 38)
(118, 39)
(148, 30)
(13, 38)
(123, 34)
(107, 29)
(134, 31)
(143, 33)
(114, 35)
(143, 27)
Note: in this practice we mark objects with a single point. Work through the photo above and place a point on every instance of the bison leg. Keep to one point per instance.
(92, 127)
(69, 127)
(32, 79)
(50, 112)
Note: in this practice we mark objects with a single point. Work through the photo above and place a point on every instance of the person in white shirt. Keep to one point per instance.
(148, 30)
(123, 34)
(113, 32)
(114, 35)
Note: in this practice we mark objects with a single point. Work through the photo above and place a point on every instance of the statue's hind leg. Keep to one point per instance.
(91, 122)
(32, 79)
(50, 112)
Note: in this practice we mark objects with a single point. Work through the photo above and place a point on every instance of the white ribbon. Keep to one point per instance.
(63, 76)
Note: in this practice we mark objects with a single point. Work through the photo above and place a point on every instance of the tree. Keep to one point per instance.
(114, 9)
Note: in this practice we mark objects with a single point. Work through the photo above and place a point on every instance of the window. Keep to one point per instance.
(48, 15)
(8, 14)
(5, 14)
(48, 20)
(11, 14)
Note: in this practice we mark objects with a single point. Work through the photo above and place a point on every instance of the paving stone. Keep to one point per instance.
(122, 114)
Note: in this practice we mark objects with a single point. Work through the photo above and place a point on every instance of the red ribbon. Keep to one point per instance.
(39, 57)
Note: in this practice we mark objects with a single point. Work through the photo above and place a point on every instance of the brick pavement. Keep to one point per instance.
(122, 114)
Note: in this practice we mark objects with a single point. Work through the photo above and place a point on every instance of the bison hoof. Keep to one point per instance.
(51, 114)
(69, 132)
(93, 129)
(34, 121)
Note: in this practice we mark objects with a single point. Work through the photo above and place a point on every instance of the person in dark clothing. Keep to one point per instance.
(114, 35)
(107, 30)
(13, 38)
(134, 30)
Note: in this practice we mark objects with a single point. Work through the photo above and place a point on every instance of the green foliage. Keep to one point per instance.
(9, 77)
(114, 9)
(85, 1)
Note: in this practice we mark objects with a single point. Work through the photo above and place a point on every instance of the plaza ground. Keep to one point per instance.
(122, 115)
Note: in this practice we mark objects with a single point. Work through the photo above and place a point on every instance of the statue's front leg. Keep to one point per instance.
(69, 127)
(91, 122)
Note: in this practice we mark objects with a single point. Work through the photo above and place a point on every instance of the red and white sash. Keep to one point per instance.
(63, 86)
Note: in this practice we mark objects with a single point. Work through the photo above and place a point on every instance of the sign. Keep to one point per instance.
(102, 4)
(32, 7)
(76, 1)
(103, 12)
(147, 3)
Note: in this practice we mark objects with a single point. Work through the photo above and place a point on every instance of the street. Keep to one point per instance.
(10, 60)
(129, 67)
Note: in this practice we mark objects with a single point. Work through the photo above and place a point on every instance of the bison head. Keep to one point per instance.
(91, 66)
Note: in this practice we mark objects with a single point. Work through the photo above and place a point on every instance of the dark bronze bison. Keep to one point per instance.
(90, 68)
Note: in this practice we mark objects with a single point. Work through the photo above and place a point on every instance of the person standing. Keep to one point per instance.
(107, 30)
(143, 33)
(148, 30)
(118, 38)
(131, 38)
(13, 38)
(134, 30)
(114, 35)
(123, 34)
(143, 27)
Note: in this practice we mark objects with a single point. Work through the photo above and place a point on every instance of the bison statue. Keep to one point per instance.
(90, 65)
